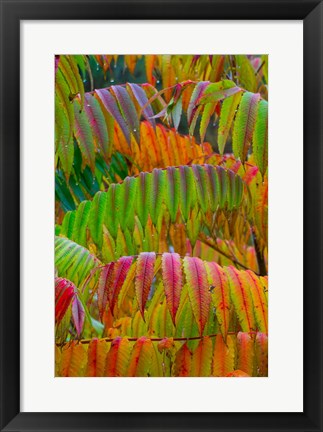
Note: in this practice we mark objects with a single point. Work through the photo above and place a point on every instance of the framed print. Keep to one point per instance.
(161, 215)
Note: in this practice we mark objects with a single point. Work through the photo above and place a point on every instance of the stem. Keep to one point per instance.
(260, 67)
(134, 339)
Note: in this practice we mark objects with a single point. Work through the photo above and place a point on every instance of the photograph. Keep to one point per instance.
(161, 215)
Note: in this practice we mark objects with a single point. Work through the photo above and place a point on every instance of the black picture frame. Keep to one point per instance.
(12, 12)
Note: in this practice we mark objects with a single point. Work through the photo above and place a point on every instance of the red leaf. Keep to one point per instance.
(238, 374)
(64, 292)
(144, 278)
(120, 272)
(198, 291)
(250, 174)
(172, 278)
(182, 363)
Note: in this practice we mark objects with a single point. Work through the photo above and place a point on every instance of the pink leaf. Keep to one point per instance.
(142, 100)
(198, 290)
(196, 95)
(111, 106)
(172, 278)
(128, 110)
(78, 314)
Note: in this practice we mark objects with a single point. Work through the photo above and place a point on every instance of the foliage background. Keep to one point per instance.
(176, 286)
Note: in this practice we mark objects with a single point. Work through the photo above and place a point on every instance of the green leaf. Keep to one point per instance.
(217, 91)
(188, 191)
(158, 192)
(73, 261)
(244, 125)
(64, 122)
(177, 113)
(208, 111)
(260, 137)
(144, 196)
(113, 209)
(81, 221)
(96, 217)
(195, 98)
(128, 194)
(227, 114)
(201, 186)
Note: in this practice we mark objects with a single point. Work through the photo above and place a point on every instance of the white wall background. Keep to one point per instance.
(283, 390)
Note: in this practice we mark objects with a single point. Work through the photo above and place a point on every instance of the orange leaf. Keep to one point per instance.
(73, 360)
(262, 354)
(223, 356)
(246, 353)
(96, 357)
(78, 314)
(166, 344)
(117, 358)
(220, 294)
(182, 363)
(150, 64)
(168, 75)
(241, 298)
(202, 358)
(64, 293)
